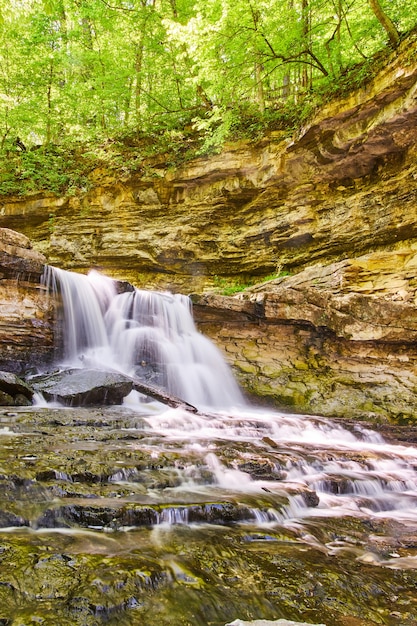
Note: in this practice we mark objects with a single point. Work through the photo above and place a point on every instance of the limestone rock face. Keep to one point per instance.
(338, 339)
(26, 315)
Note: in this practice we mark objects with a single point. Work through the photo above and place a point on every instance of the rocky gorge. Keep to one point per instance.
(333, 207)
(213, 511)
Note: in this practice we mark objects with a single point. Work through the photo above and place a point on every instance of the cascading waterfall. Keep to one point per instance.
(152, 336)
(149, 335)
(147, 514)
(351, 473)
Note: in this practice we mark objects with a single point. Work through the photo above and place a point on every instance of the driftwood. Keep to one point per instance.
(162, 396)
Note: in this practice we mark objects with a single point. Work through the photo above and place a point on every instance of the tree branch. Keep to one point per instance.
(115, 8)
(298, 58)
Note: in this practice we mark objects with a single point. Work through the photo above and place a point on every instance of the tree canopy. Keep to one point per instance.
(89, 69)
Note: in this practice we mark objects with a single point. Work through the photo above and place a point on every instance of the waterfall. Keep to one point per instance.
(146, 334)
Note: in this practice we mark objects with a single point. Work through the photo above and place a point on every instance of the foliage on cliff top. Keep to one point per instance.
(67, 168)
(134, 86)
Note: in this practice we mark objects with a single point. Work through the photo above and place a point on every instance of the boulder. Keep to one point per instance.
(14, 391)
(83, 387)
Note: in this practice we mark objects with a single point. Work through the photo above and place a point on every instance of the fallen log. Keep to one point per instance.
(162, 396)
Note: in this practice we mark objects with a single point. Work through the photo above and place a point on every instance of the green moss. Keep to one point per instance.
(300, 365)
(405, 419)
(230, 286)
(247, 368)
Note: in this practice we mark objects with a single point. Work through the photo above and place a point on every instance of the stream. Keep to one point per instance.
(144, 515)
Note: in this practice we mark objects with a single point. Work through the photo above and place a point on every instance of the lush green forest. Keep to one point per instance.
(78, 72)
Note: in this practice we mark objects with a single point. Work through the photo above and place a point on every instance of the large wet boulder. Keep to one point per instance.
(83, 387)
(14, 391)
(89, 387)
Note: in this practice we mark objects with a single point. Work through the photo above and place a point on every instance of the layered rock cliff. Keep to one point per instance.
(26, 313)
(336, 206)
(338, 339)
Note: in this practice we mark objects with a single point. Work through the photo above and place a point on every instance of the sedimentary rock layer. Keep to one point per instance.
(26, 316)
(338, 339)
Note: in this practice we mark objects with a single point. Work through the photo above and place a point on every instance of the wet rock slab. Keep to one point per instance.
(90, 387)
(83, 387)
(105, 520)
(14, 391)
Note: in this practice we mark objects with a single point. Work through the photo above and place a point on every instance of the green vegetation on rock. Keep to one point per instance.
(229, 287)
(172, 78)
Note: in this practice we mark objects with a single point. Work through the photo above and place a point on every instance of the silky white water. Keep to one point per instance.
(152, 336)
(351, 472)
(146, 334)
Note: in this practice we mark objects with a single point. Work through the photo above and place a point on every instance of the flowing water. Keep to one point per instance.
(146, 334)
(146, 515)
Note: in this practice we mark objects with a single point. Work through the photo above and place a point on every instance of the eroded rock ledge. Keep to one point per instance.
(26, 314)
(337, 339)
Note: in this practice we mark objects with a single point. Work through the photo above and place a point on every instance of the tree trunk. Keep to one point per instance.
(162, 396)
(338, 38)
(259, 89)
(138, 82)
(286, 82)
(385, 22)
(333, 44)
(126, 101)
(306, 27)
(49, 104)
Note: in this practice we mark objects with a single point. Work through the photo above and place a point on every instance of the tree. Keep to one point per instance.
(385, 21)
(89, 69)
